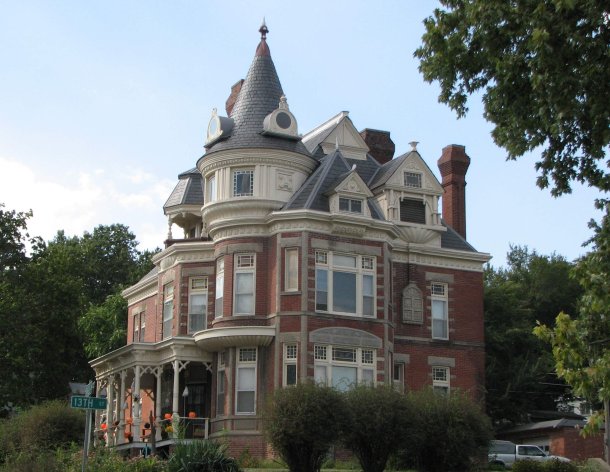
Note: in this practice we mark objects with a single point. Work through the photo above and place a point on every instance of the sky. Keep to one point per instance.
(103, 104)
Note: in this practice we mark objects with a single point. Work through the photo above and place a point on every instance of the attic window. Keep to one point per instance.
(413, 179)
(350, 205)
(412, 211)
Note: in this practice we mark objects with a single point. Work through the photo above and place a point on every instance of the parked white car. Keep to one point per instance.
(505, 453)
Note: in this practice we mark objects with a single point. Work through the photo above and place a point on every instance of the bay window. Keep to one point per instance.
(345, 283)
(198, 303)
(168, 310)
(246, 381)
(243, 303)
(343, 367)
(220, 287)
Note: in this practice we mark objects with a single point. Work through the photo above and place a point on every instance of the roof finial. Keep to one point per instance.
(263, 30)
(414, 145)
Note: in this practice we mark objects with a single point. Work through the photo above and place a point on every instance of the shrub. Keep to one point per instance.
(377, 422)
(42, 428)
(302, 423)
(201, 456)
(528, 466)
(448, 433)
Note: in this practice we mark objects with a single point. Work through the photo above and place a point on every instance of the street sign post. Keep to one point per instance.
(88, 403)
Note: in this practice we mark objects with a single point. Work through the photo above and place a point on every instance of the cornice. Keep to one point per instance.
(273, 157)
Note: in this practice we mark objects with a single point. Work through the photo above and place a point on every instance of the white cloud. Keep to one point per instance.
(79, 200)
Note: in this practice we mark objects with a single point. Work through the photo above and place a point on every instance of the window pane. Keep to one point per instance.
(220, 285)
(344, 292)
(343, 204)
(344, 377)
(242, 183)
(438, 309)
(246, 379)
(367, 376)
(244, 282)
(321, 290)
(439, 329)
(344, 261)
(244, 303)
(344, 354)
(291, 374)
(245, 402)
(367, 296)
(320, 374)
(356, 206)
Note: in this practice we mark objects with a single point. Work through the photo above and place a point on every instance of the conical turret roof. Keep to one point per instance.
(260, 94)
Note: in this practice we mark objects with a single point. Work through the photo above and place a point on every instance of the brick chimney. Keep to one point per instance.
(380, 144)
(235, 89)
(453, 165)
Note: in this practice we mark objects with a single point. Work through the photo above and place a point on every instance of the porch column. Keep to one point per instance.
(159, 373)
(121, 408)
(176, 393)
(110, 411)
(135, 399)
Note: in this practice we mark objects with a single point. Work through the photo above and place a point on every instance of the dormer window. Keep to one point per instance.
(413, 179)
(243, 183)
(350, 205)
(412, 211)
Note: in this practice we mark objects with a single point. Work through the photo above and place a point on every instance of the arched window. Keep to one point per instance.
(412, 305)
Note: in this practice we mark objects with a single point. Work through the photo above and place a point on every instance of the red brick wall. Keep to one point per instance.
(569, 443)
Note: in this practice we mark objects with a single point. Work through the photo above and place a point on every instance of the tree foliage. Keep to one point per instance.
(519, 367)
(302, 423)
(580, 344)
(60, 306)
(377, 423)
(543, 67)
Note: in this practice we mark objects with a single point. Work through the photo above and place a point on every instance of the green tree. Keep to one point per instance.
(377, 422)
(302, 423)
(542, 66)
(447, 433)
(580, 345)
(519, 367)
(104, 326)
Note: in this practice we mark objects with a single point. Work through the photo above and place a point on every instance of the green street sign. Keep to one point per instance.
(88, 403)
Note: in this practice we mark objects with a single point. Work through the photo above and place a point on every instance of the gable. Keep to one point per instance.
(338, 132)
(405, 176)
(354, 185)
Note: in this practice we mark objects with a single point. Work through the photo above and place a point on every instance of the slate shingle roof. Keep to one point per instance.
(313, 194)
(450, 239)
(188, 190)
(259, 95)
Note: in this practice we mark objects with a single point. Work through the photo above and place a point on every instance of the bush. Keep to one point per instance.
(302, 423)
(44, 427)
(546, 466)
(378, 419)
(201, 456)
(448, 433)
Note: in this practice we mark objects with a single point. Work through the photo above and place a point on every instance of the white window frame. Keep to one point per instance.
(221, 384)
(290, 363)
(220, 288)
(236, 191)
(441, 379)
(327, 357)
(439, 321)
(168, 310)
(198, 286)
(142, 326)
(244, 264)
(364, 269)
(211, 188)
(413, 175)
(245, 362)
(349, 203)
(291, 269)
(398, 375)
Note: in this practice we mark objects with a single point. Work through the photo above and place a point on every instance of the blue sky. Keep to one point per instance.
(103, 104)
